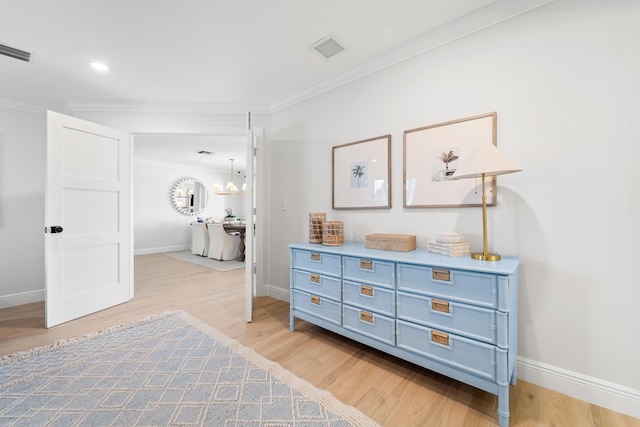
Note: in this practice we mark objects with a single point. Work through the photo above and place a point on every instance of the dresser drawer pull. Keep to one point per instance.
(315, 278)
(366, 317)
(315, 256)
(366, 264)
(315, 299)
(440, 337)
(438, 274)
(366, 290)
(442, 306)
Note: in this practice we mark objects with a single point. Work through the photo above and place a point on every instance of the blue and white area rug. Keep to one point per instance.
(169, 369)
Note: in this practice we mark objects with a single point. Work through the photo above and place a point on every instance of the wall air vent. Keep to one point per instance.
(327, 47)
(15, 53)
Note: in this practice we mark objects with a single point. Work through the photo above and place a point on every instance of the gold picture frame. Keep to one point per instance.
(432, 154)
(361, 176)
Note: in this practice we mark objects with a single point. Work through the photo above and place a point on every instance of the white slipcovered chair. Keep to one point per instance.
(199, 239)
(222, 246)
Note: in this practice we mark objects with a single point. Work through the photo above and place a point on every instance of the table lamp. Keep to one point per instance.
(484, 160)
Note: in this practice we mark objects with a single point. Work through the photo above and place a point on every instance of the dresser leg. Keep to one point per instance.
(503, 379)
(503, 405)
(292, 322)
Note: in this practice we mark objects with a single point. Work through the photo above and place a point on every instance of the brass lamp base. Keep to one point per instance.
(485, 257)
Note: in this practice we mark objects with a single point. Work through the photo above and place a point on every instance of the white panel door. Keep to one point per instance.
(88, 196)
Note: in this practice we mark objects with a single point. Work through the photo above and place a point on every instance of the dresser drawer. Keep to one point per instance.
(319, 284)
(322, 307)
(375, 298)
(317, 261)
(370, 324)
(468, 355)
(473, 288)
(468, 320)
(381, 273)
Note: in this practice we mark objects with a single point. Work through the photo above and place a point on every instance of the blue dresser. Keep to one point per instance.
(453, 315)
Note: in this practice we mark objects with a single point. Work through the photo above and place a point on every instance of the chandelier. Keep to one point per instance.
(230, 189)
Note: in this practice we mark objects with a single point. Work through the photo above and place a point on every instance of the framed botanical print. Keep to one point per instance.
(362, 174)
(431, 156)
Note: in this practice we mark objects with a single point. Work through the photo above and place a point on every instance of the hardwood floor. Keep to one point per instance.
(392, 392)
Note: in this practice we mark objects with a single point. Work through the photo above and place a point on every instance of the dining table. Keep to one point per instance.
(239, 228)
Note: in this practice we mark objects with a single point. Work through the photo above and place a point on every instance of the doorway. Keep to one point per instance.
(162, 157)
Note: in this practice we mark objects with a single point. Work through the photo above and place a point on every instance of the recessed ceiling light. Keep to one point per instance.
(99, 66)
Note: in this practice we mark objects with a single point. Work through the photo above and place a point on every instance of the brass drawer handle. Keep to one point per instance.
(366, 290)
(315, 299)
(438, 274)
(315, 256)
(315, 278)
(442, 306)
(366, 317)
(366, 264)
(440, 337)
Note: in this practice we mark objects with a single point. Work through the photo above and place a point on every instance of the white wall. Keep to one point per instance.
(22, 187)
(563, 80)
(158, 227)
(22, 180)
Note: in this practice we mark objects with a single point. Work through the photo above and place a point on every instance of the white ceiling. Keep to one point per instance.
(231, 55)
(183, 149)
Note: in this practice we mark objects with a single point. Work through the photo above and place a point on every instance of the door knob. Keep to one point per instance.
(56, 229)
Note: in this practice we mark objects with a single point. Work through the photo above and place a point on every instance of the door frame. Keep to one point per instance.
(239, 131)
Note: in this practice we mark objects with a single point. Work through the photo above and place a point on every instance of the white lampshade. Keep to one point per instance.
(484, 159)
(481, 161)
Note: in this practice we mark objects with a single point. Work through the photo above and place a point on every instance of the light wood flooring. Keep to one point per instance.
(390, 391)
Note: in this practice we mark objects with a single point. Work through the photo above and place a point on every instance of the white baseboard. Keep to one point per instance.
(21, 298)
(147, 251)
(278, 293)
(612, 396)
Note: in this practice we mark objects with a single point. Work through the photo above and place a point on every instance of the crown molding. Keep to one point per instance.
(168, 107)
(479, 20)
(30, 108)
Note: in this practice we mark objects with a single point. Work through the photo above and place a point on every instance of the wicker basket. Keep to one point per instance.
(316, 222)
(333, 233)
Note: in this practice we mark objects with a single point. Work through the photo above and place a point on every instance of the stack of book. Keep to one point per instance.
(449, 244)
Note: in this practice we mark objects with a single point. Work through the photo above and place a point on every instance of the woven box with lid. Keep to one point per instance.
(391, 242)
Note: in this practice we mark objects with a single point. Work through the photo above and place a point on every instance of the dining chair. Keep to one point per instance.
(199, 239)
(222, 246)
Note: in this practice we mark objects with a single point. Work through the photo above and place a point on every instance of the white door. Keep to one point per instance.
(88, 234)
(250, 204)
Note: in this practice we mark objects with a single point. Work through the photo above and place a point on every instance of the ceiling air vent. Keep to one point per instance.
(327, 47)
(15, 53)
